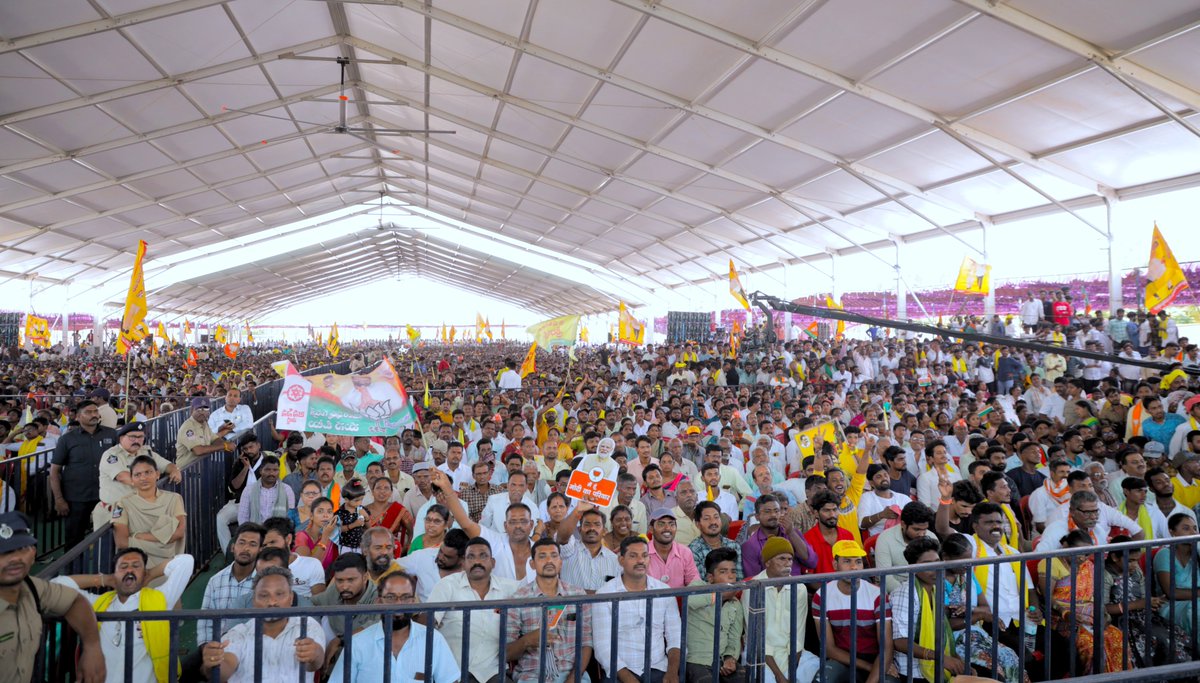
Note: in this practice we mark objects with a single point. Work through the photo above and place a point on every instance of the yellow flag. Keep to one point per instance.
(973, 278)
(413, 334)
(583, 335)
(735, 287)
(1164, 277)
(487, 329)
(453, 332)
(333, 347)
(221, 335)
(479, 325)
(804, 439)
(530, 363)
(162, 332)
(133, 321)
(37, 331)
(560, 331)
(502, 336)
(629, 329)
(426, 400)
(841, 324)
(249, 333)
(154, 346)
(187, 326)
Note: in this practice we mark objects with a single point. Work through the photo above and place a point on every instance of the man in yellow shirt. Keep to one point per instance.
(1187, 479)
(849, 488)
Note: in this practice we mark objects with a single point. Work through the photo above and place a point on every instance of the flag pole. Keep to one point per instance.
(128, 369)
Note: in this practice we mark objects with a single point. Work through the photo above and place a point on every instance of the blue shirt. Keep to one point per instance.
(368, 653)
(1162, 433)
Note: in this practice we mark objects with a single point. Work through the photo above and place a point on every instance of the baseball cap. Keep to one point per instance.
(693, 430)
(848, 549)
(422, 466)
(662, 512)
(1188, 404)
(201, 403)
(14, 532)
(349, 455)
(1182, 457)
(1154, 449)
(439, 446)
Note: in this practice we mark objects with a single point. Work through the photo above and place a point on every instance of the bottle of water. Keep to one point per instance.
(1031, 629)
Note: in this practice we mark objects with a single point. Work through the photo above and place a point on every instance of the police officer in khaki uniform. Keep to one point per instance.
(115, 480)
(23, 601)
(195, 439)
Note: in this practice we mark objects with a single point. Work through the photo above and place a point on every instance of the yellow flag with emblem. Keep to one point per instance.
(37, 331)
(529, 366)
(221, 335)
(133, 321)
(973, 277)
(161, 332)
(413, 334)
(805, 438)
(1164, 277)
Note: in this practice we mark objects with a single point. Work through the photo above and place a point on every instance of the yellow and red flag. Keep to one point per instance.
(37, 331)
(529, 365)
(841, 324)
(333, 347)
(133, 320)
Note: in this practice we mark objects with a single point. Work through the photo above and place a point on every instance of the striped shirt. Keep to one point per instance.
(583, 570)
(863, 622)
(562, 648)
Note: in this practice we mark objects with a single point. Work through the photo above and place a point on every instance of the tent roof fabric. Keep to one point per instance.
(655, 140)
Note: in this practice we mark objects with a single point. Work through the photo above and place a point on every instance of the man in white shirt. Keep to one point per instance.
(988, 541)
(231, 411)
(629, 659)
(879, 509)
(1053, 493)
(308, 575)
(477, 582)
(286, 647)
(509, 379)
(1084, 513)
(511, 550)
(496, 508)
(129, 581)
(459, 471)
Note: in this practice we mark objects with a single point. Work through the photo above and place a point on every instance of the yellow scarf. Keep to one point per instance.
(1057, 338)
(1143, 520)
(983, 571)
(927, 636)
(1013, 536)
(156, 634)
(959, 365)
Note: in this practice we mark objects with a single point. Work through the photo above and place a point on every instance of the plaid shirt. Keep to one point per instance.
(476, 500)
(224, 591)
(802, 517)
(562, 651)
(700, 549)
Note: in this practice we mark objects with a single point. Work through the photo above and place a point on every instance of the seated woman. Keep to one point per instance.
(670, 476)
(385, 512)
(149, 518)
(437, 522)
(622, 526)
(1081, 611)
(1150, 641)
(319, 540)
(1174, 570)
(301, 515)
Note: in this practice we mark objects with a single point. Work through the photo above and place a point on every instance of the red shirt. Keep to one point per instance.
(1062, 313)
(824, 550)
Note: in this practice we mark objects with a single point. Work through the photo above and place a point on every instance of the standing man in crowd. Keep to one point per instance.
(75, 471)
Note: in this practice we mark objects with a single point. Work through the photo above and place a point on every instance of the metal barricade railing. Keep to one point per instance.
(27, 478)
(636, 610)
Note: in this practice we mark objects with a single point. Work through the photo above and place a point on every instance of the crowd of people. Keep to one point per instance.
(808, 458)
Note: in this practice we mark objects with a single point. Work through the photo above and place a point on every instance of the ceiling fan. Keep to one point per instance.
(342, 127)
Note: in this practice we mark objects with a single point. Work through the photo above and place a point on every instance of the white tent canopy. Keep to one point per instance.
(642, 144)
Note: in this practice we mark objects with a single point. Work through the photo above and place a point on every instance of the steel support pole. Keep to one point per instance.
(901, 292)
(989, 299)
(1114, 275)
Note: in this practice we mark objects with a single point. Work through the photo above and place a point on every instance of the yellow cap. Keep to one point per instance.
(848, 549)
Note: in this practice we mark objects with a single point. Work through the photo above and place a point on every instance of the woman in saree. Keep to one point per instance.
(1152, 642)
(670, 474)
(387, 513)
(1081, 612)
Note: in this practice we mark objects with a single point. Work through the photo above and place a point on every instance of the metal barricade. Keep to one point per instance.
(637, 619)
(26, 487)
